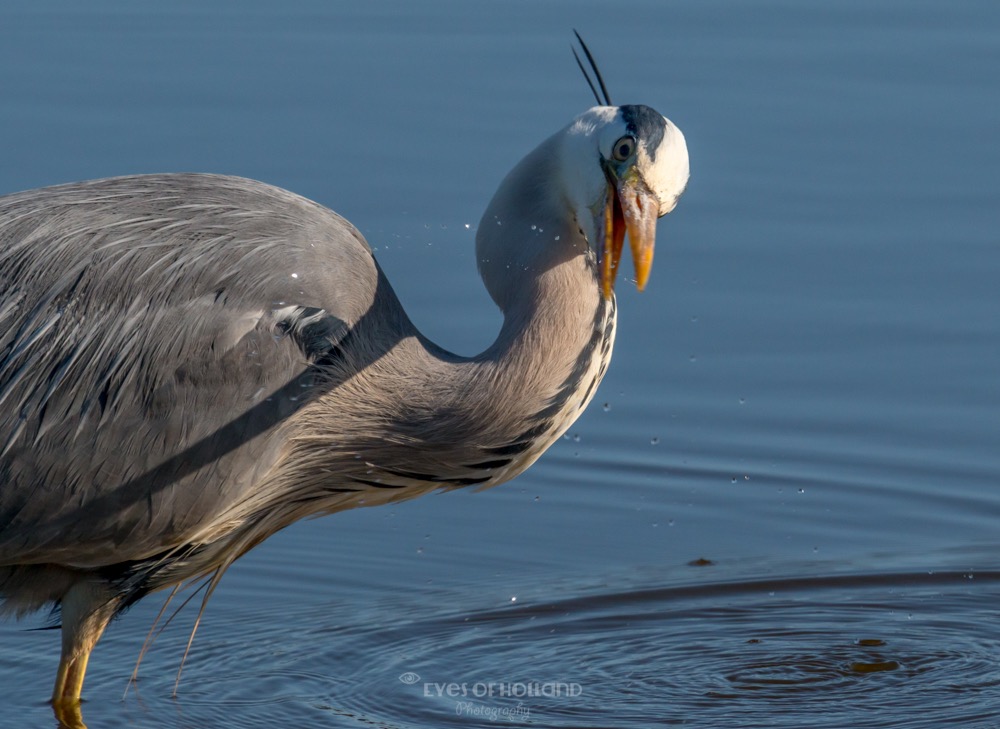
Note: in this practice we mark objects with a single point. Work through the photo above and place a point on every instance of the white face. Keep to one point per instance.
(660, 151)
(658, 155)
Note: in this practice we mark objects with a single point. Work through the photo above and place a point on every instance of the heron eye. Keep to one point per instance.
(624, 148)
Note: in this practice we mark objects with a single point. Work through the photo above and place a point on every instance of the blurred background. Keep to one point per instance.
(781, 507)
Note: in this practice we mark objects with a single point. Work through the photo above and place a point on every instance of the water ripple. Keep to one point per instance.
(827, 651)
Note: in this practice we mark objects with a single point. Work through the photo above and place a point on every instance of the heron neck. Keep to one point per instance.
(547, 360)
(557, 332)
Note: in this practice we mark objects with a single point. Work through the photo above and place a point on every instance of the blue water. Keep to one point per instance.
(781, 508)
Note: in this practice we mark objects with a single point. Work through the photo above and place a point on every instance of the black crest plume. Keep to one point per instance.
(606, 101)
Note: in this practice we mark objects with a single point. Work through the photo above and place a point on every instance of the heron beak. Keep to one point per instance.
(630, 206)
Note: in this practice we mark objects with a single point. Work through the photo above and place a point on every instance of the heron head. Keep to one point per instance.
(640, 172)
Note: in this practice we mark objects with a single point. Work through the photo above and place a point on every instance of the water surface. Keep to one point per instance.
(781, 508)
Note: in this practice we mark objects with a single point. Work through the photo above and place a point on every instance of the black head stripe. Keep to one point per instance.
(646, 124)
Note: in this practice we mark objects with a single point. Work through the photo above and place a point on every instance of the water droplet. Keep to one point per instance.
(734, 479)
(692, 358)
(534, 227)
(654, 440)
(670, 523)
(606, 406)
(557, 237)
(576, 437)
(801, 490)
(295, 275)
(743, 401)
(513, 598)
(466, 226)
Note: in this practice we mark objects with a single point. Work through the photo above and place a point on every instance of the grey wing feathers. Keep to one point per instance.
(152, 329)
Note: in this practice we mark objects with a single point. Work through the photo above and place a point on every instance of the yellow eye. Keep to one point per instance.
(624, 148)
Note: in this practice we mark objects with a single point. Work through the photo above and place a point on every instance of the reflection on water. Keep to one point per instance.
(843, 650)
(805, 396)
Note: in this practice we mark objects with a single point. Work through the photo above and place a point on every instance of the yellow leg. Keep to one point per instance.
(69, 678)
(86, 609)
(66, 694)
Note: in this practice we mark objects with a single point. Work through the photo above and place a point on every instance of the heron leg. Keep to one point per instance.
(86, 609)
(69, 677)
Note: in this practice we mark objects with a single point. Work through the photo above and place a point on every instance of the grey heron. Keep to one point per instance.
(190, 362)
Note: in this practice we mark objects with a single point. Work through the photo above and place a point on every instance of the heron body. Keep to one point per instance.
(190, 363)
